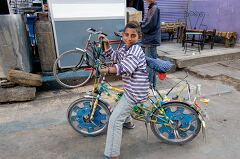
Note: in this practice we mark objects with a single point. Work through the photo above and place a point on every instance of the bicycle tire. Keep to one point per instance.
(79, 112)
(186, 124)
(75, 74)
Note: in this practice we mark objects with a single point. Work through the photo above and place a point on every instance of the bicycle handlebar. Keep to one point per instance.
(118, 34)
(94, 31)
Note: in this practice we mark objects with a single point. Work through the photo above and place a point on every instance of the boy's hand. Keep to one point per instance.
(104, 38)
(102, 70)
(94, 72)
(105, 41)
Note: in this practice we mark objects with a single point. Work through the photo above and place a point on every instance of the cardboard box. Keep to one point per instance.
(133, 14)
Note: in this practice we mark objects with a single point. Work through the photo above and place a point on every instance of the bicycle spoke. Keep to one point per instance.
(176, 133)
(73, 70)
(79, 117)
(183, 124)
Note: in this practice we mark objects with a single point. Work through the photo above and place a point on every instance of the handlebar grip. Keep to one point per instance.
(118, 34)
(104, 34)
(97, 73)
(92, 29)
(101, 44)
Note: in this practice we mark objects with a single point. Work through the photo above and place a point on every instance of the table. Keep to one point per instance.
(230, 38)
(205, 35)
(172, 29)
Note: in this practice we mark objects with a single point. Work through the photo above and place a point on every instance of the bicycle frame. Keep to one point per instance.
(89, 43)
(144, 112)
(104, 87)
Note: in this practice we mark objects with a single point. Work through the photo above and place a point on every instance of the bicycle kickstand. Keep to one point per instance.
(146, 125)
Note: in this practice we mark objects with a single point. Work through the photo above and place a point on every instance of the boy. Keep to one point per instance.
(131, 65)
(151, 35)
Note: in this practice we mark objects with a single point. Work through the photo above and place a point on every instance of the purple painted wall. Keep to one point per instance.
(223, 15)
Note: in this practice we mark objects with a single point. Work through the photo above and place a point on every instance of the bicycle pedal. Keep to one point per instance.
(95, 91)
(137, 116)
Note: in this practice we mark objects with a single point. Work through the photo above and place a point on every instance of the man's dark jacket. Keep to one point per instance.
(151, 27)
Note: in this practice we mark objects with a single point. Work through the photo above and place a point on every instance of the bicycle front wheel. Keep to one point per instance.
(73, 69)
(183, 125)
(79, 117)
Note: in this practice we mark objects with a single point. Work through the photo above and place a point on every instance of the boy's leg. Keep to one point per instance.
(151, 52)
(128, 119)
(114, 132)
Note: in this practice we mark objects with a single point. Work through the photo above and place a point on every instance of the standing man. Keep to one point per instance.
(151, 35)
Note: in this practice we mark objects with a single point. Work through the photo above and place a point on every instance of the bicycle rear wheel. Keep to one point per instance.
(183, 127)
(73, 68)
(79, 117)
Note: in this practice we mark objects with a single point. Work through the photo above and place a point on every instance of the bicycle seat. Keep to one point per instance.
(119, 34)
(91, 30)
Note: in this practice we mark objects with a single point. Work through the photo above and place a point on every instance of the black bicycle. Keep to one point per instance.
(80, 61)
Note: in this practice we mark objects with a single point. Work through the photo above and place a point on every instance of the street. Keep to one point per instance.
(39, 130)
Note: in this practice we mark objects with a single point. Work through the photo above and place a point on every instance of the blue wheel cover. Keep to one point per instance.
(85, 111)
(177, 116)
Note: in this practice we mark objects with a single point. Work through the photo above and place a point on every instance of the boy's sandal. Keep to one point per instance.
(106, 157)
(129, 125)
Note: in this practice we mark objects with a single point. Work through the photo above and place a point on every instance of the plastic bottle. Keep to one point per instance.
(204, 113)
(198, 89)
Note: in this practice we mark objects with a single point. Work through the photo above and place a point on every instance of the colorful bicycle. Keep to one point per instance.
(172, 120)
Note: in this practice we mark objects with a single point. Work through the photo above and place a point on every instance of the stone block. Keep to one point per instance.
(16, 94)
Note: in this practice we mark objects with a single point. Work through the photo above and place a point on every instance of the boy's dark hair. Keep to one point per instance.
(133, 25)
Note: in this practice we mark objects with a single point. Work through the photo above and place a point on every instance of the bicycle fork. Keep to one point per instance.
(94, 106)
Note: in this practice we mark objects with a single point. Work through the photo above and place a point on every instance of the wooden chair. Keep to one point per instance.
(193, 37)
(193, 33)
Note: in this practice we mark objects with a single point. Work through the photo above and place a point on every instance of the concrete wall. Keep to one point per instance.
(14, 44)
(222, 15)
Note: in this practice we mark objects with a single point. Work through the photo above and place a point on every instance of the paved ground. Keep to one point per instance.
(172, 48)
(225, 71)
(174, 51)
(39, 129)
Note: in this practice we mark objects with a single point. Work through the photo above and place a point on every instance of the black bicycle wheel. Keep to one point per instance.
(73, 68)
(183, 127)
(79, 117)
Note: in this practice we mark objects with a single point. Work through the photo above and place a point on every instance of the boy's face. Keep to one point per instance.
(150, 1)
(130, 37)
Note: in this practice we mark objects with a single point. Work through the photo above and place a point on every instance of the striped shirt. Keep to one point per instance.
(131, 65)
